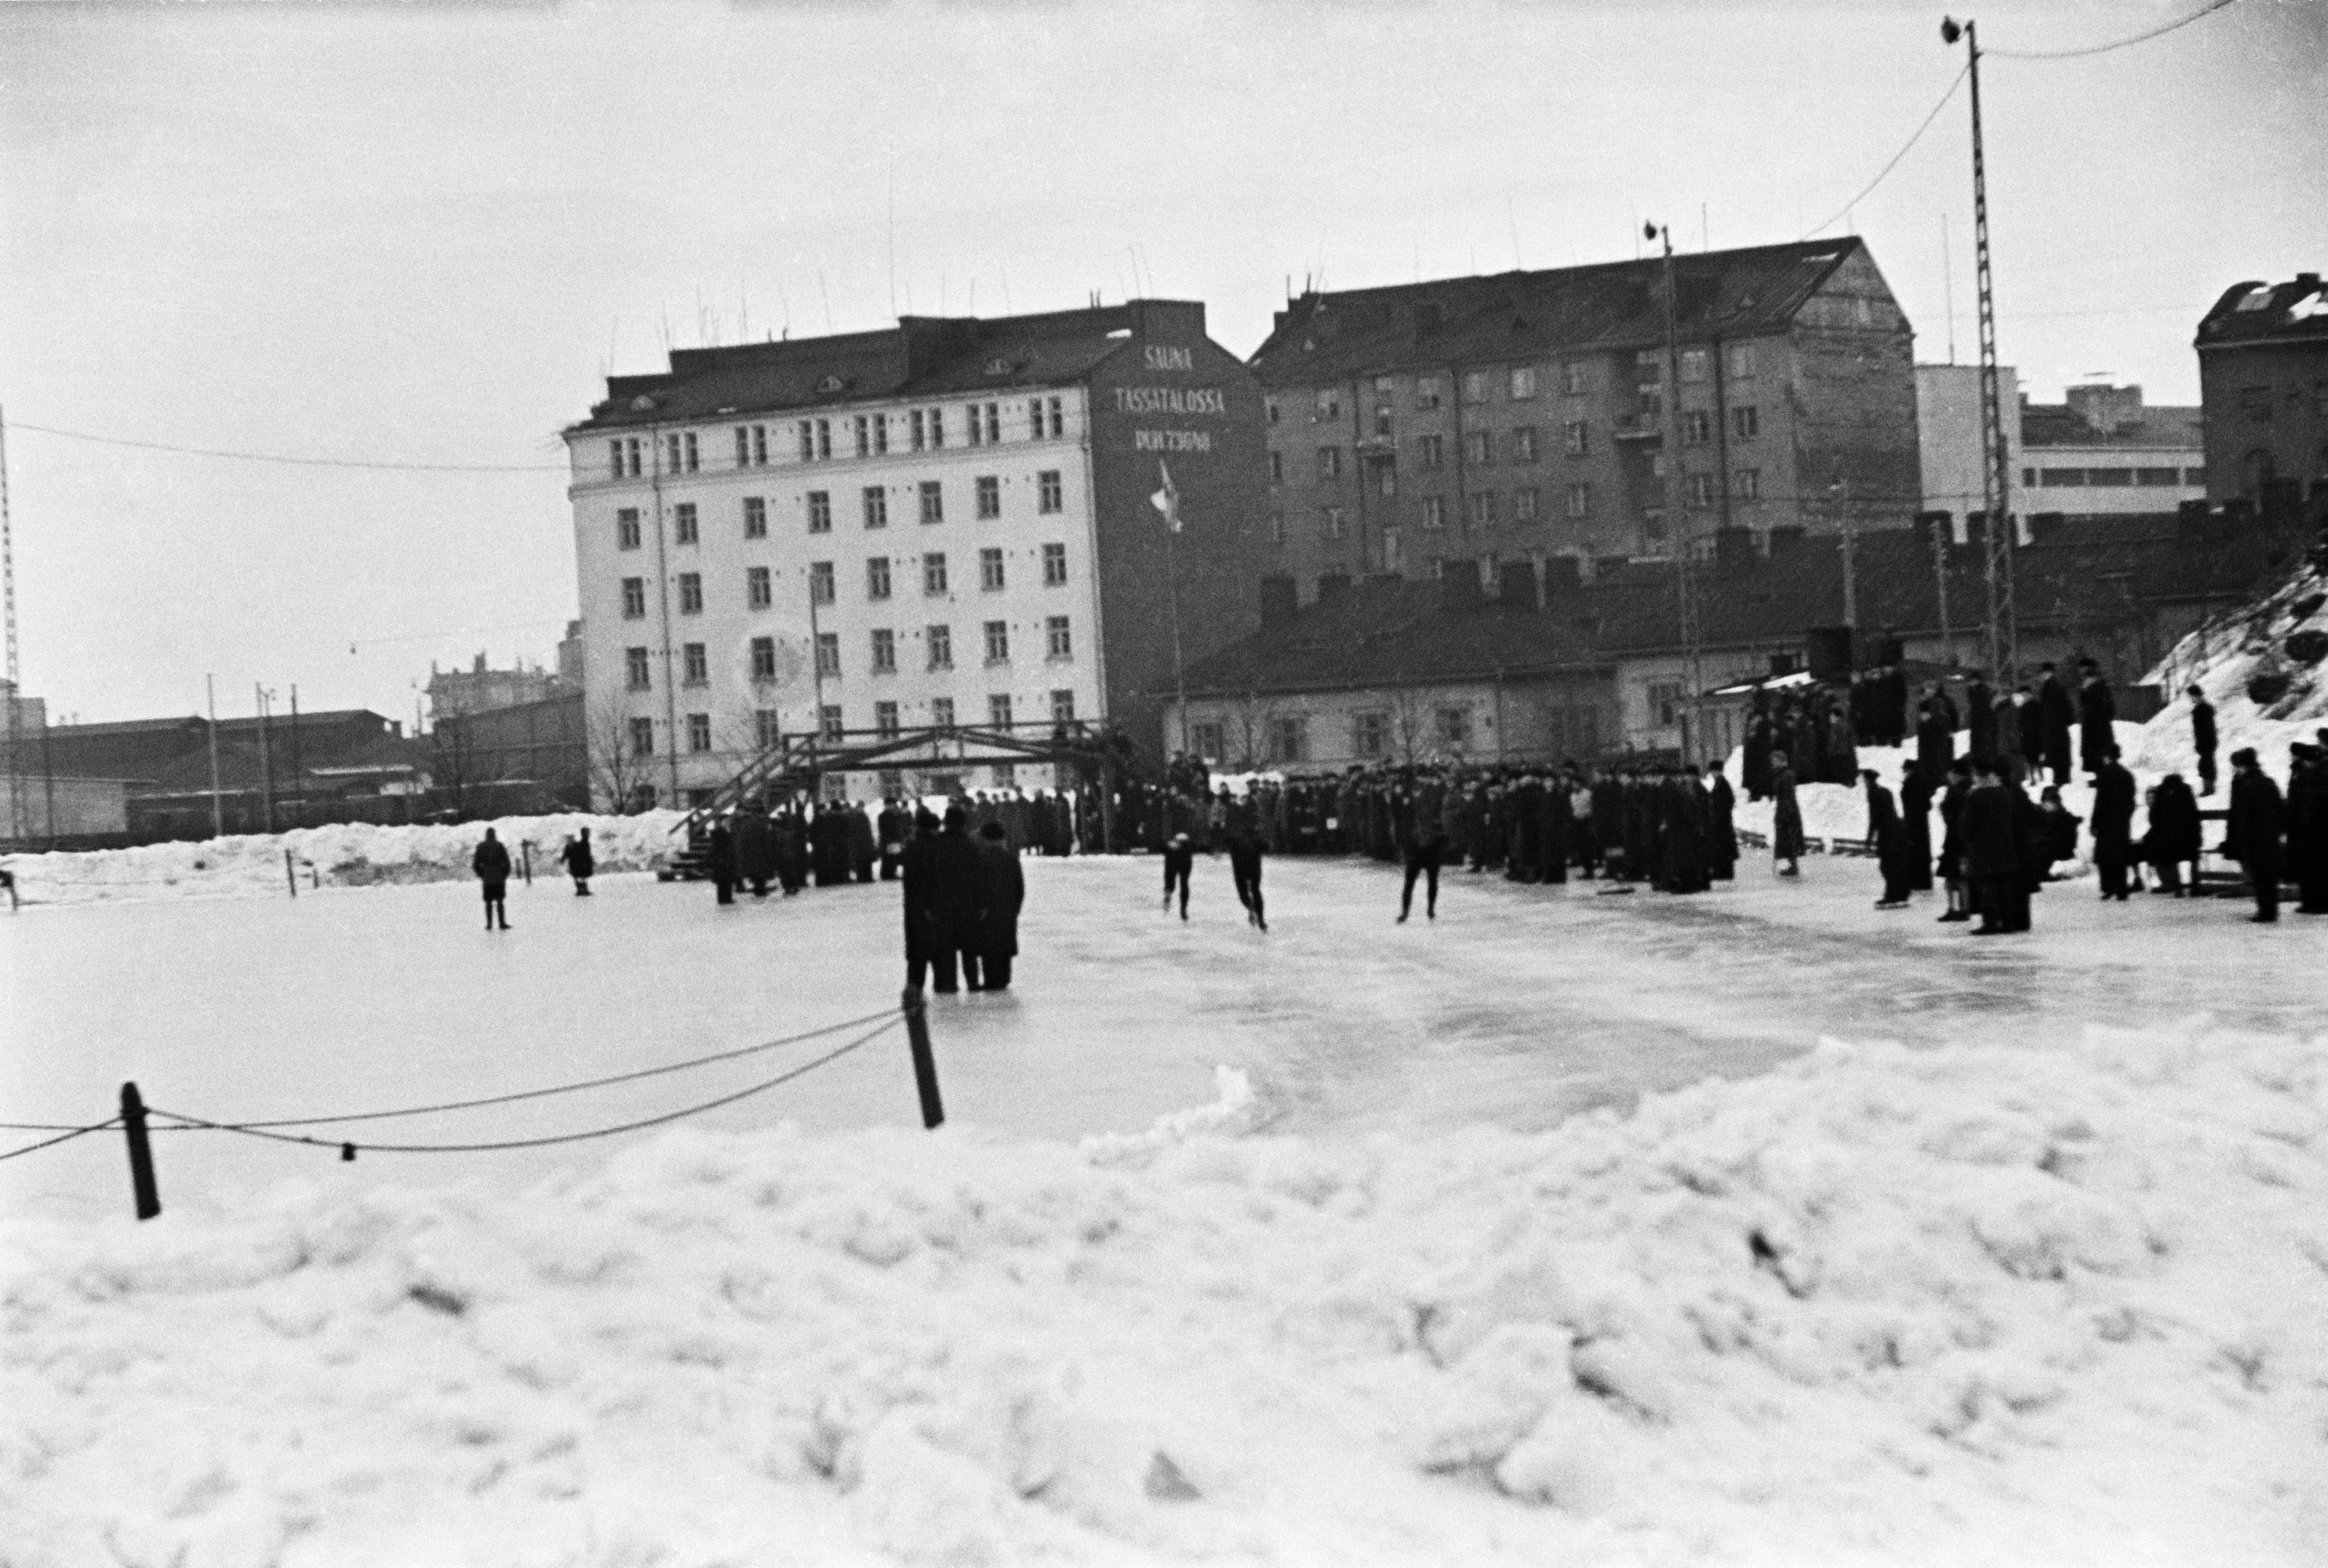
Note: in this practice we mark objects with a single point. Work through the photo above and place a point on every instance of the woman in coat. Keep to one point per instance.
(580, 863)
(2172, 838)
(1721, 827)
(1893, 856)
(1002, 890)
(1786, 819)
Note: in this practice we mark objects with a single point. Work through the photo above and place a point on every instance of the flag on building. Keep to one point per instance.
(1168, 500)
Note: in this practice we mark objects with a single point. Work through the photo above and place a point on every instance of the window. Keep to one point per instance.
(1268, 410)
(1277, 468)
(864, 426)
(1386, 478)
(939, 641)
(1454, 728)
(1524, 504)
(1649, 404)
(680, 452)
(829, 724)
(877, 577)
(1058, 642)
(1277, 526)
(1524, 443)
(827, 653)
(1333, 521)
(1745, 422)
(626, 528)
(990, 497)
(1044, 417)
(884, 652)
(1330, 462)
(884, 718)
(1479, 447)
(990, 570)
(1696, 428)
(1649, 367)
(1742, 361)
(1746, 484)
(997, 641)
(1431, 451)
(1694, 364)
(820, 512)
(820, 582)
(934, 574)
(1579, 501)
(1055, 565)
(2158, 477)
(2255, 402)
(1327, 404)
(807, 442)
(1475, 386)
(1394, 553)
(684, 526)
(691, 593)
(2029, 476)
(642, 738)
(1483, 509)
(1701, 490)
(1523, 383)
(634, 598)
(763, 661)
(1382, 421)
(875, 501)
(932, 493)
(937, 428)
(756, 517)
(1370, 733)
(1287, 740)
(920, 431)
(1666, 703)
(698, 732)
(2113, 477)
(942, 712)
(635, 667)
(1575, 378)
(696, 663)
(768, 728)
(1434, 513)
(2061, 476)
(990, 415)
(759, 445)
(880, 434)
(1063, 705)
(1206, 740)
(1049, 494)
(825, 438)
(615, 453)
(1428, 393)
(1576, 439)
(998, 710)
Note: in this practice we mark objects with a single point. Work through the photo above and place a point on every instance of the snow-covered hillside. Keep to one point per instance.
(2263, 671)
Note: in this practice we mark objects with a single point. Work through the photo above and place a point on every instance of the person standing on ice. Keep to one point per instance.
(580, 864)
(2097, 716)
(2256, 822)
(2113, 826)
(955, 903)
(2174, 836)
(1952, 866)
(1180, 868)
(492, 865)
(1721, 826)
(2202, 737)
(1892, 852)
(1786, 819)
(1002, 893)
(2059, 716)
(2307, 826)
(720, 848)
(1426, 846)
(1992, 851)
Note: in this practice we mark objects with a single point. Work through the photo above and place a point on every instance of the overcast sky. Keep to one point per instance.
(423, 233)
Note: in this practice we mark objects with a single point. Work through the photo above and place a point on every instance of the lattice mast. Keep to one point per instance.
(16, 782)
(1996, 458)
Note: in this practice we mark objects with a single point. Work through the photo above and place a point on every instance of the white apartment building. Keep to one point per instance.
(943, 524)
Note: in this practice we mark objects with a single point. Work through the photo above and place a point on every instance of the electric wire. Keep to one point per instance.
(349, 1146)
(296, 462)
(2159, 31)
(1844, 210)
(61, 1137)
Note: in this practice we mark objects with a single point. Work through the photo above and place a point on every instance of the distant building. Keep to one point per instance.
(570, 656)
(2101, 453)
(944, 522)
(37, 806)
(1523, 417)
(454, 693)
(1950, 448)
(543, 743)
(2263, 384)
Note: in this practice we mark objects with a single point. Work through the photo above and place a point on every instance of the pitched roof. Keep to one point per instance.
(2256, 312)
(1323, 337)
(921, 356)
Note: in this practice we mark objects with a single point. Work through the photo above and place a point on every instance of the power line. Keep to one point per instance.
(2207, 10)
(1844, 210)
(302, 462)
(61, 1137)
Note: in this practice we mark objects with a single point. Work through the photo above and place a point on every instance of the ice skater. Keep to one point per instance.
(1244, 866)
(1786, 818)
(1179, 863)
(492, 865)
(1426, 846)
(580, 864)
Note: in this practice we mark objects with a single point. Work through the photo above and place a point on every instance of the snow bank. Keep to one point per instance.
(2223, 660)
(345, 855)
(1997, 1303)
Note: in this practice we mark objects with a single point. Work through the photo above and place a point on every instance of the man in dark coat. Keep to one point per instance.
(1426, 846)
(2113, 825)
(2202, 737)
(580, 863)
(1916, 793)
(1244, 864)
(2032, 734)
(1002, 890)
(2257, 822)
(894, 828)
(2059, 716)
(1179, 872)
(492, 865)
(755, 849)
(1980, 719)
(913, 868)
(2307, 826)
(720, 847)
(2097, 716)
(1951, 869)
(2172, 838)
(1991, 850)
(1892, 852)
(1721, 826)
(1936, 741)
(954, 909)
(1682, 818)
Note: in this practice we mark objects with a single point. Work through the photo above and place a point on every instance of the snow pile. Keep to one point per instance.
(2000, 1303)
(343, 855)
(2264, 673)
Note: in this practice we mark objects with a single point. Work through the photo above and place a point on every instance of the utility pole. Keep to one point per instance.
(1677, 512)
(218, 811)
(1850, 559)
(1996, 477)
(299, 781)
(15, 672)
(265, 768)
(1941, 579)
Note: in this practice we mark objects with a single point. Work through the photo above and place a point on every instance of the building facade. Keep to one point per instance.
(2263, 388)
(951, 522)
(457, 693)
(2101, 453)
(1529, 416)
(1950, 450)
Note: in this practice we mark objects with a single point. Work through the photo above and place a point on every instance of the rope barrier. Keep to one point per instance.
(62, 1138)
(347, 1150)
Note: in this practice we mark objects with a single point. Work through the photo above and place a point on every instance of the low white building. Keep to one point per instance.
(2100, 453)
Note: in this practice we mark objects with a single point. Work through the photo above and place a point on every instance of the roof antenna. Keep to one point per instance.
(822, 290)
(784, 306)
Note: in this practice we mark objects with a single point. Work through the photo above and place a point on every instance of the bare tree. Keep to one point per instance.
(1251, 715)
(1410, 721)
(616, 771)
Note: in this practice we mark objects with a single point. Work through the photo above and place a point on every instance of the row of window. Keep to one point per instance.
(1481, 508)
(1519, 383)
(937, 642)
(870, 434)
(686, 528)
(759, 583)
(1381, 733)
(1519, 444)
(767, 722)
(2113, 477)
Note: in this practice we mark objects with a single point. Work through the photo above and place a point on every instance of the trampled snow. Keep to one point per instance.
(1457, 1261)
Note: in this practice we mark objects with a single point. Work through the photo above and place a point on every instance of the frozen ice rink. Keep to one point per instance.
(1517, 1006)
